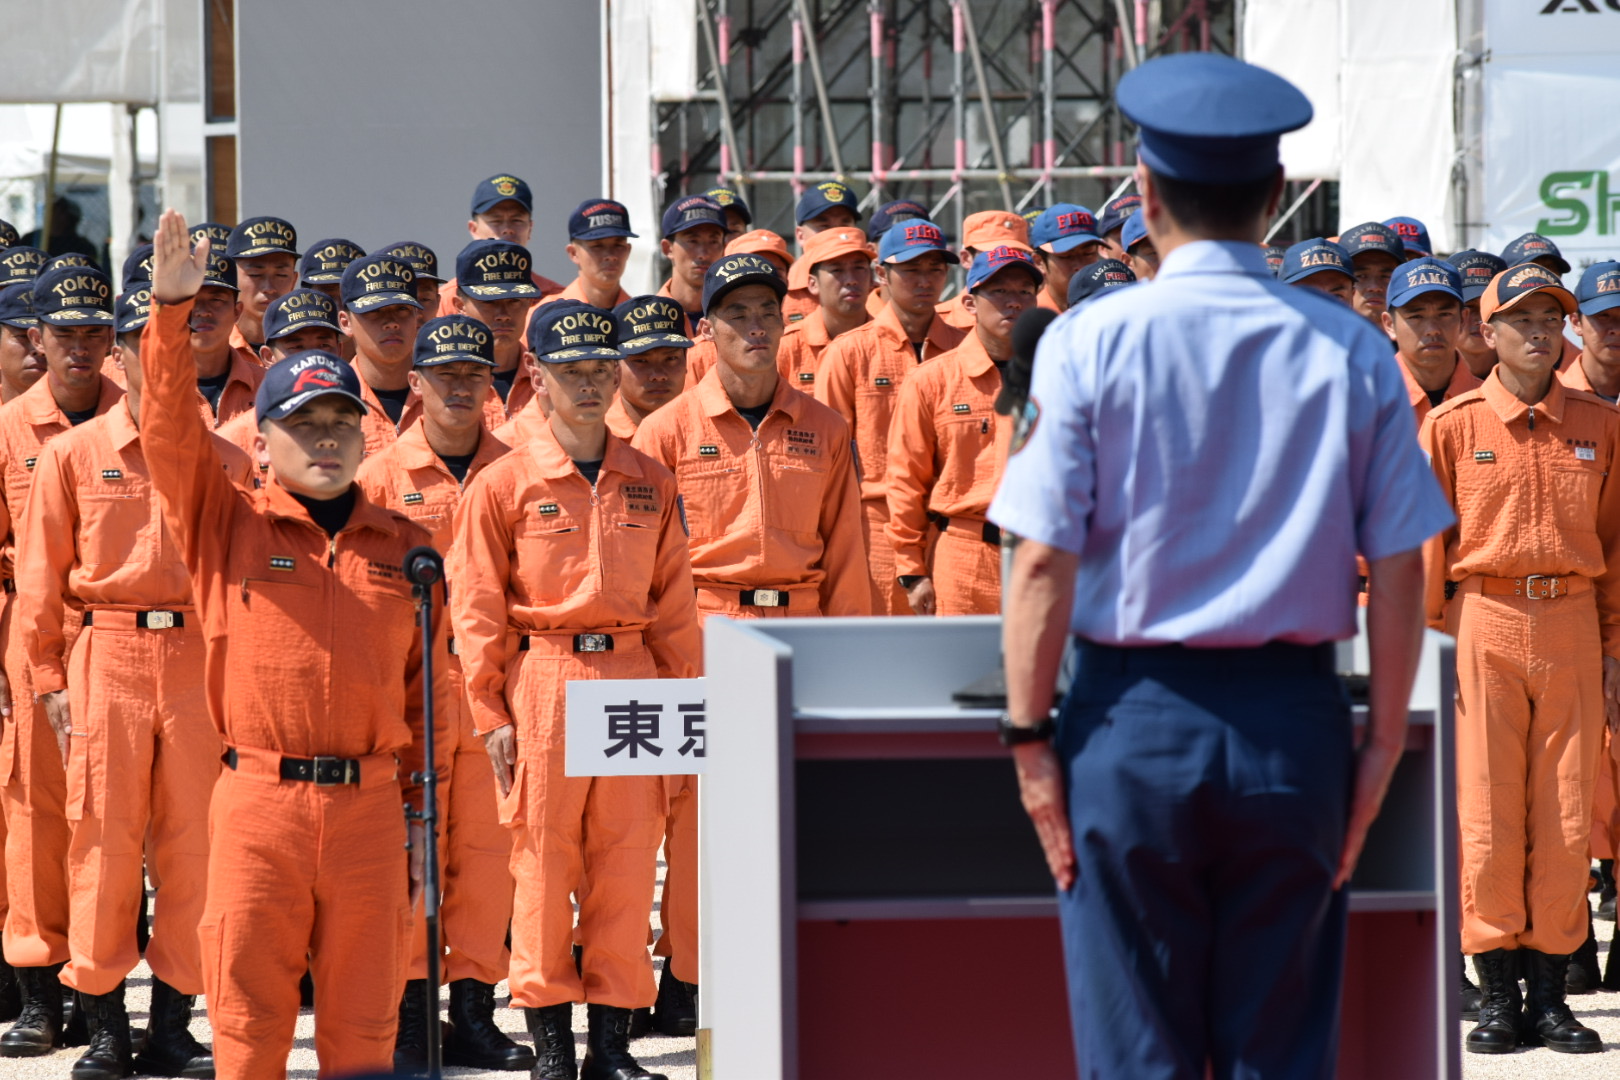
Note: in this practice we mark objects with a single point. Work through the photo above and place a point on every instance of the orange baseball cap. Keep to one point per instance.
(762, 242)
(995, 228)
(824, 245)
(1508, 290)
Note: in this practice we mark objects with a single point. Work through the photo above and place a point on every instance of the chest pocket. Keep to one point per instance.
(1575, 490)
(630, 552)
(874, 407)
(117, 524)
(433, 511)
(715, 492)
(553, 554)
(797, 485)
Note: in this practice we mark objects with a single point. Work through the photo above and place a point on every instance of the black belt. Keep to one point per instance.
(9, 585)
(320, 771)
(769, 598)
(149, 620)
(991, 532)
(582, 643)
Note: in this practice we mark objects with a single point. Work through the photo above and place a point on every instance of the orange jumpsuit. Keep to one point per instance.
(618, 421)
(311, 648)
(1462, 381)
(1535, 492)
(956, 314)
(525, 424)
(244, 375)
(691, 323)
(543, 556)
(947, 447)
(144, 754)
(37, 833)
(575, 290)
(860, 377)
(409, 478)
(447, 292)
(799, 358)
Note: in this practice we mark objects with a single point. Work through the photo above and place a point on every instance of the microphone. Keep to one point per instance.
(1026, 335)
(424, 566)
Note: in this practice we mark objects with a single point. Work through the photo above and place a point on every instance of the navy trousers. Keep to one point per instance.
(1208, 791)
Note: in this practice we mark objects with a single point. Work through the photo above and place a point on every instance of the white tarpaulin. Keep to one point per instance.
(1551, 147)
(80, 50)
(1273, 31)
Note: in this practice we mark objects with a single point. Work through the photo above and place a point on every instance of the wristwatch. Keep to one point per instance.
(909, 581)
(1012, 734)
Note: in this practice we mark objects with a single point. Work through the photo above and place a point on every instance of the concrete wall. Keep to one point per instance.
(374, 119)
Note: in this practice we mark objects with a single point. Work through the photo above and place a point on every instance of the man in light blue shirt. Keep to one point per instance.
(1209, 453)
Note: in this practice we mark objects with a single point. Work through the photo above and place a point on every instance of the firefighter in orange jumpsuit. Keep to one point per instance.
(424, 266)
(773, 248)
(838, 269)
(130, 709)
(302, 320)
(381, 313)
(769, 486)
(502, 209)
(494, 284)
(314, 674)
(1375, 251)
(265, 250)
(828, 205)
(1477, 268)
(652, 368)
(694, 238)
(947, 446)
(321, 269)
(75, 331)
(21, 362)
(1533, 566)
(228, 376)
(599, 244)
(572, 564)
(423, 475)
(1065, 240)
(862, 373)
(1423, 316)
(980, 232)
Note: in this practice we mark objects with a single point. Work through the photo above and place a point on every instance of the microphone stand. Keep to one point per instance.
(424, 568)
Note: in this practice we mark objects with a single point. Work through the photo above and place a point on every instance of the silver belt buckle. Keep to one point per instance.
(348, 775)
(1543, 587)
(770, 598)
(593, 643)
(160, 620)
(451, 646)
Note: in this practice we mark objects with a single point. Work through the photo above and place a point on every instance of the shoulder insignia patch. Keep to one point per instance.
(283, 562)
(680, 505)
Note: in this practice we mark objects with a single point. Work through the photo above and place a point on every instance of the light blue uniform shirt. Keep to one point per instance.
(1217, 447)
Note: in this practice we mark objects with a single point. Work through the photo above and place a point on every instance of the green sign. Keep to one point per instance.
(1582, 199)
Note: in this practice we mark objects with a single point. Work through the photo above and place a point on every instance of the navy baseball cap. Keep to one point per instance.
(219, 236)
(690, 212)
(1114, 214)
(298, 310)
(73, 296)
(730, 200)
(568, 330)
(295, 381)
(379, 281)
(134, 309)
(496, 270)
(1413, 233)
(1423, 275)
(1477, 268)
(20, 264)
(1533, 246)
(1274, 257)
(1030, 213)
(8, 234)
(220, 272)
(1314, 256)
(69, 260)
(987, 264)
(454, 339)
(424, 263)
(908, 239)
(735, 271)
(650, 322)
(1099, 277)
(1370, 237)
(1599, 289)
(598, 219)
(259, 236)
(891, 213)
(325, 261)
(1210, 119)
(499, 189)
(823, 197)
(1509, 289)
(1063, 227)
(17, 306)
(138, 267)
(1134, 231)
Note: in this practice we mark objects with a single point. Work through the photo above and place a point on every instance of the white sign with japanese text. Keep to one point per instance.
(635, 727)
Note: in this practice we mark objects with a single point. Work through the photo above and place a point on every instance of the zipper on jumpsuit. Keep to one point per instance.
(754, 447)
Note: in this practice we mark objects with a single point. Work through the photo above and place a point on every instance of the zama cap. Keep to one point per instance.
(1413, 233)
(379, 281)
(568, 330)
(1314, 256)
(424, 263)
(1599, 289)
(17, 306)
(598, 219)
(8, 234)
(454, 339)
(891, 213)
(73, 296)
(1477, 268)
(1210, 119)
(325, 261)
(137, 268)
(295, 381)
(262, 236)
(1099, 277)
(1532, 246)
(1062, 228)
(987, 264)
(498, 189)
(1370, 237)
(20, 264)
(909, 239)
(219, 236)
(220, 272)
(691, 212)
(763, 242)
(1274, 257)
(1420, 276)
(299, 310)
(994, 228)
(730, 200)
(1508, 289)
(735, 271)
(823, 197)
(1134, 231)
(133, 309)
(496, 270)
(650, 322)
(1114, 214)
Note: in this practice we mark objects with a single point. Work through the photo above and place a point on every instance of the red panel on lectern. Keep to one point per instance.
(1390, 1010)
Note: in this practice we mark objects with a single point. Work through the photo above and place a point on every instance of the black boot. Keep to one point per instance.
(1606, 890)
(1498, 1029)
(143, 926)
(1583, 976)
(38, 1029)
(110, 1055)
(410, 1043)
(553, 1031)
(1611, 969)
(75, 1020)
(1547, 1020)
(1470, 992)
(306, 992)
(10, 994)
(607, 1047)
(170, 1049)
(675, 1011)
(475, 1040)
